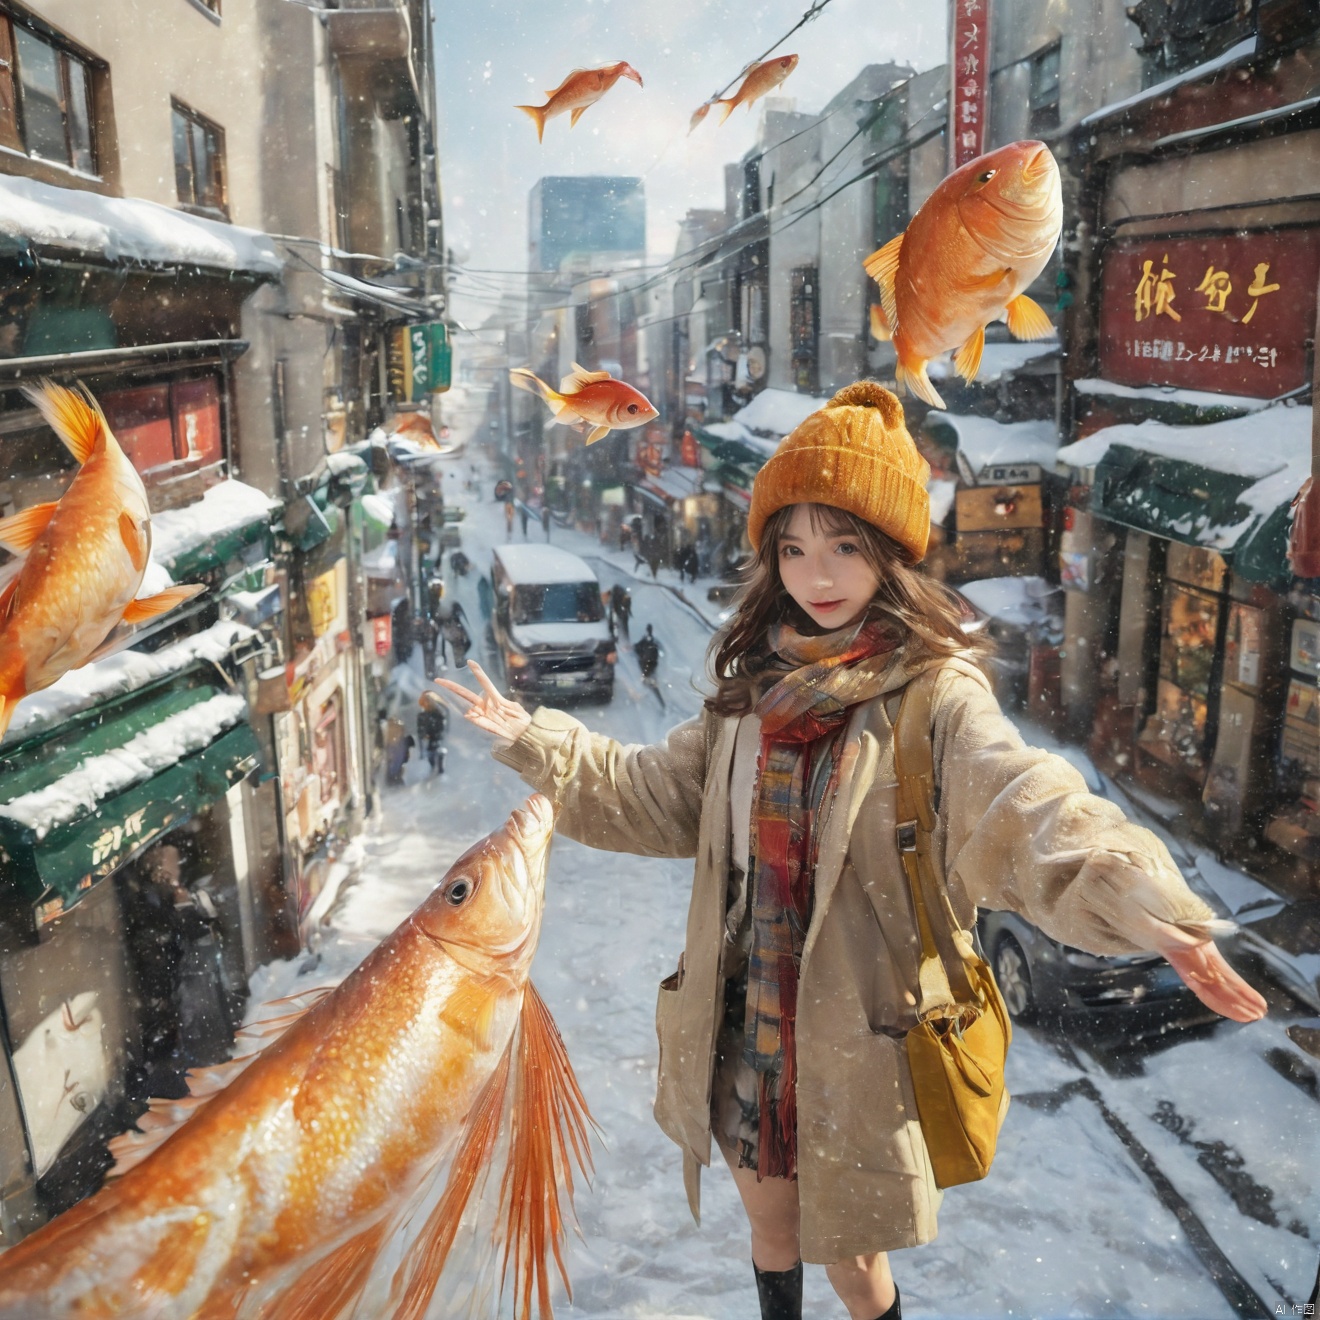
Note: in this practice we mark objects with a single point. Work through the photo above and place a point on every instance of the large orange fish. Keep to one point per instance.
(294, 1170)
(761, 78)
(581, 89)
(592, 401)
(83, 558)
(978, 240)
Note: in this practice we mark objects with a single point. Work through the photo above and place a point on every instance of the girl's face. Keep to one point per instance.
(825, 572)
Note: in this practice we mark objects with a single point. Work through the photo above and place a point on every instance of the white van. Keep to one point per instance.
(549, 624)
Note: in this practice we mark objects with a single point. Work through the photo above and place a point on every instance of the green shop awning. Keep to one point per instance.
(730, 452)
(1183, 501)
(75, 808)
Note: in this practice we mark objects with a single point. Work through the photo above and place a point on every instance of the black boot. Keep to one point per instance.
(780, 1292)
(895, 1312)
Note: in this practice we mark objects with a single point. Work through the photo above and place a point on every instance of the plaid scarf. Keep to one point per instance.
(802, 716)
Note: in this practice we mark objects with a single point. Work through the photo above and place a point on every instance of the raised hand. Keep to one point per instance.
(1206, 972)
(488, 709)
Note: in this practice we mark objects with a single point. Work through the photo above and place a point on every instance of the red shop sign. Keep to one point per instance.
(382, 634)
(1229, 313)
(969, 76)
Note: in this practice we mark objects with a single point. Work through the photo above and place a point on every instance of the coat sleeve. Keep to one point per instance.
(1022, 832)
(623, 798)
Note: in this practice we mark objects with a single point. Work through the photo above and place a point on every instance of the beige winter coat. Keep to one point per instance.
(1017, 829)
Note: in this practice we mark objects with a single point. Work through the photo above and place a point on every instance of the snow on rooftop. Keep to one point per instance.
(998, 360)
(377, 293)
(77, 793)
(224, 508)
(1238, 52)
(1016, 600)
(777, 412)
(1169, 394)
(542, 564)
(984, 441)
(128, 229)
(118, 674)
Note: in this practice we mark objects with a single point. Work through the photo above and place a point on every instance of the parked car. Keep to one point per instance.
(1041, 978)
(549, 627)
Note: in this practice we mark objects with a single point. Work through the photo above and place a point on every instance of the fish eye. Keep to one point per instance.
(632, 407)
(986, 175)
(457, 892)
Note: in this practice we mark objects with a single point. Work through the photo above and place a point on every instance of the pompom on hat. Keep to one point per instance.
(855, 454)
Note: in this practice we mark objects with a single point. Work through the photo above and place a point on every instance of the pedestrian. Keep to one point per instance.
(430, 638)
(688, 567)
(620, 608)
(432, 726)
(648, 654)
(508, 516)
(398, 746)
(625, 537)
(799, 872)
(545, 520)
(485, 598)
(653, 556)
(460, 563)
(522, 517)
(638, 542)
(457, 636)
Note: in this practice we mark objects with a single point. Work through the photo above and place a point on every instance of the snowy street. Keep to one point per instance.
(1169, 1182)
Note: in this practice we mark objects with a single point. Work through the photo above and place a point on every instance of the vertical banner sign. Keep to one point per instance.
(420, 361)
(969, 78)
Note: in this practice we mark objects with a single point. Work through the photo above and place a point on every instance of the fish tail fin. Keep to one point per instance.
(698, 115)
(911, 375)
(522, 379)
(879, 325)
(550, 1117)
(537, 114)
(73, 415)
(727, 107)
(1027, 319)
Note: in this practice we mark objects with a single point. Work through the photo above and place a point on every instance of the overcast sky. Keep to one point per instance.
(494, 54)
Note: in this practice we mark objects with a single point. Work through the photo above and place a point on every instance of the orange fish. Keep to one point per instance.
(298, 1181)
(978, 240)
(761, 78)
(416, 427)
(83, 557)
(582, 88)
(592, 401)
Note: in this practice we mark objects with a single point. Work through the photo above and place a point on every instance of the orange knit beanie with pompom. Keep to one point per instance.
(855, 454)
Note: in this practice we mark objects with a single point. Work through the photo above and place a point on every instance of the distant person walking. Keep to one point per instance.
(653, 556)
(432, 726)
(508, 517)
(545, 520)
(485, 598)
(620, 608)
(648, 654)
(522, 518)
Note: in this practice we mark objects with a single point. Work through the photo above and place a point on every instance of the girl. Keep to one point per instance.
(781, 1032)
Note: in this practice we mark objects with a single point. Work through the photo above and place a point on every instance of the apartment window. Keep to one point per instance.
(45, 98)
(199, 161)
(1044, 99)
(751, 199)
(804, 326)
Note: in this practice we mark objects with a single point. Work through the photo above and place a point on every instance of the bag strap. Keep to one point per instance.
(914, 767)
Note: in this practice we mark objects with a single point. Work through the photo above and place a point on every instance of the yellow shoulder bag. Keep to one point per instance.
(957, 1050)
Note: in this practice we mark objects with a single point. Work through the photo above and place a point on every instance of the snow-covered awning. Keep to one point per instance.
(1108, 389)
(1227, 485)
(379, 295)
(984, 442)
(118, 675)
(104, 788)
(127, 229)
(1239, 52)
(776, 412)
(229, 509)
(675, 483)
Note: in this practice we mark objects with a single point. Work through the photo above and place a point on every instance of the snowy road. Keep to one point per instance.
(1116, 1192)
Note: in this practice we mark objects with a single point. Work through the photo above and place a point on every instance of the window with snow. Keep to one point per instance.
(45, 98)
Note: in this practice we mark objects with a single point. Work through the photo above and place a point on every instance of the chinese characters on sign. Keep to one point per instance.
(1229, 313)
(969, 74)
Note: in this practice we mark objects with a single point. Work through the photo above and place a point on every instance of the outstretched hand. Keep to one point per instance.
(1205, 971)
(488, 709)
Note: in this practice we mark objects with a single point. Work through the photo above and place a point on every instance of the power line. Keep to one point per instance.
(812, 12)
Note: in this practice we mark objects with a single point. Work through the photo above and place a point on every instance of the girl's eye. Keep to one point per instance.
(790, 551)
(847, 548)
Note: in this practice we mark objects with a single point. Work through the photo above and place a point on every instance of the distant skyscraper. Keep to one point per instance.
(584, 214)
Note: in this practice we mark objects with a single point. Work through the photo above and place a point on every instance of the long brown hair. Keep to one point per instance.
(925, 611)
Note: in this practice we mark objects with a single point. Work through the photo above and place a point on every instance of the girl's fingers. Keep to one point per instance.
(480, 675)
(449, 686)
